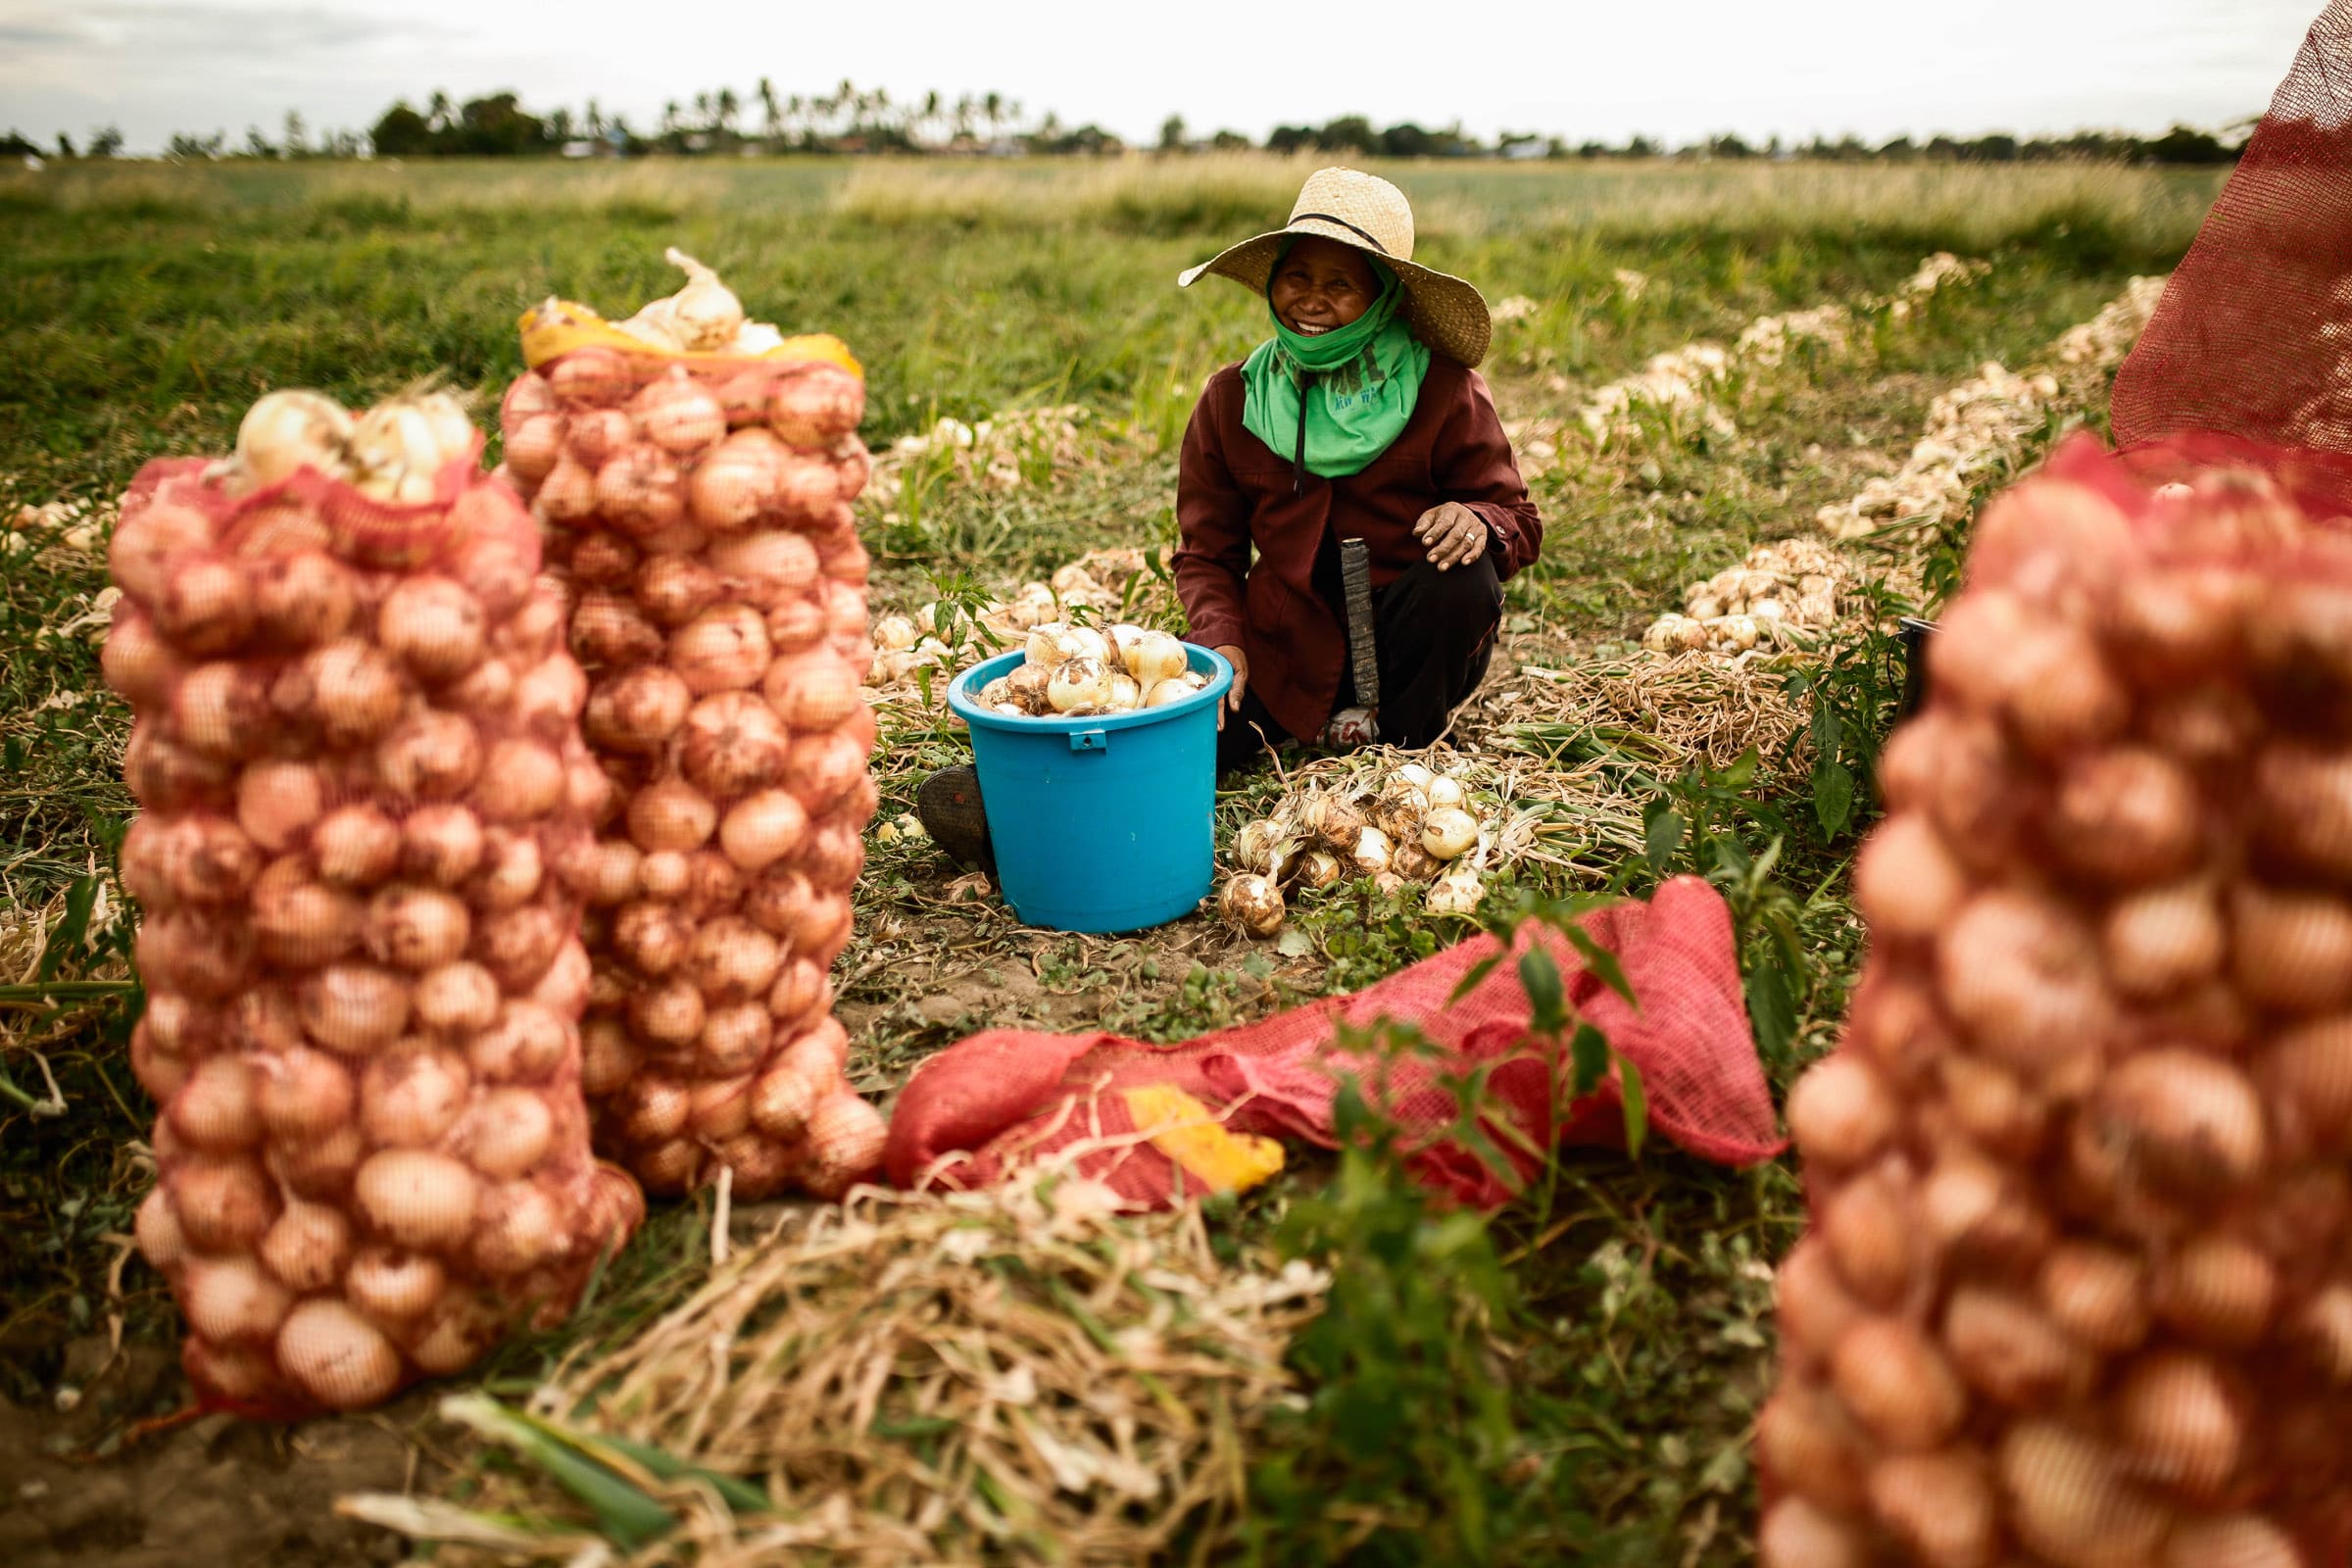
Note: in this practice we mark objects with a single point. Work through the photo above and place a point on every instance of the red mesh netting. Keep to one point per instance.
(1008, 1094)
(699, 512)
(2077, 1279)
(2251, 339)
(357, 755)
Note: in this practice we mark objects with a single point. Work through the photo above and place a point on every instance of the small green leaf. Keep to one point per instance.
(1662, 839)
(1477, 973)
(64, 938)
(1771, 1010)
(1547, 1006)
(1832, 795)
(1294, 942)
(1588, 1059)
(1636, 1106)
(1602, 962)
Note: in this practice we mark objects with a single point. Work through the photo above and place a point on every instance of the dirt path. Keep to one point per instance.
(215, 1491)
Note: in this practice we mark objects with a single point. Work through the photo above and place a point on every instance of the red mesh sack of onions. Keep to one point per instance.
(2077, 1284)
(357, 749)
(719, 606)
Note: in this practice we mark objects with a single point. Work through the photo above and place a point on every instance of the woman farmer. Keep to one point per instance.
(1362, 418)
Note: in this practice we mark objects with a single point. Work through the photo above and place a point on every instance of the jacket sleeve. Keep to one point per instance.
(1476, 468)
(1212, 529)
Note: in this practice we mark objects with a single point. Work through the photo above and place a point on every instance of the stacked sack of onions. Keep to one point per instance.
(698, 504)
(2079, 1285)
(357, 749)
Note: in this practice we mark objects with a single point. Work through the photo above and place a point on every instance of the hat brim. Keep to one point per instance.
(1446, 312)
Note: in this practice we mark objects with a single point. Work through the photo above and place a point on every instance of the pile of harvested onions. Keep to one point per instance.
(2077, 1287)
(1415, 825)
(1095, 582)
(1789, 585)
(699, 516)
(1071, 672)
(357, 749)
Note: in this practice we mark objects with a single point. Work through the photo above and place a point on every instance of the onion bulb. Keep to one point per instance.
(390, 1285)
(2229, 1541)
(2217, 1291)
(677, 414)
(1897, 1385)
(2188, 1118)
(1156, 656)
(2070, 1501)
(736, 482)
(308, 1247)
(1077, 683)
(337, 1356)
(1839, 1113)
(286, 431)
(1799, 1533)
(1907, 884)
(1160, 694)
(231, 1300)
(224, 1205)
(1252, 903)
(704, 314)
(845, 1137)
(417, 1197)
(1449, 831)
(1940, 1505)
(1804, 1441)
(2181, 1422)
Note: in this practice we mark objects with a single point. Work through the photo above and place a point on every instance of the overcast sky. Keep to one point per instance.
(1672, 69)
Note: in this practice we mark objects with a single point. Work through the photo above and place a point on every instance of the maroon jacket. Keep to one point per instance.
(1233, 492)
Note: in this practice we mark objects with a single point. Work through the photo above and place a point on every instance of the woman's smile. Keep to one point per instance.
(1321, 286)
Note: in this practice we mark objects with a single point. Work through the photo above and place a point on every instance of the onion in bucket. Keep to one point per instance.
(2077, 1174)
(346, 935)
(723, 652)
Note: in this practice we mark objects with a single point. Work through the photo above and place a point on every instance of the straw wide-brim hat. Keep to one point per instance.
(1367, 213)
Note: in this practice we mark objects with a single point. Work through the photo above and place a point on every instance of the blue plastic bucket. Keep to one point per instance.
(1099, 823)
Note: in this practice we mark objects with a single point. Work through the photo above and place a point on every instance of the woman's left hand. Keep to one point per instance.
(1452, 534)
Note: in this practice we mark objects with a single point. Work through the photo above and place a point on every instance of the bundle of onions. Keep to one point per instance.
(1071, 672)
(2076, 1290)
(362, 772)
(719, 609)
(1386, 828)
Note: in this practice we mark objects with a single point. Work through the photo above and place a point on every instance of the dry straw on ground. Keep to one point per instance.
(1021, 1375)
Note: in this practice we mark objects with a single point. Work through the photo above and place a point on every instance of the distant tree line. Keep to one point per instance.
(853, 120)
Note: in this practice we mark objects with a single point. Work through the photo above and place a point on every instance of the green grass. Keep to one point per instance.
(140, 313)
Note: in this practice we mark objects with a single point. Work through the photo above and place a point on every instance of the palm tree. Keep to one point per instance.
(992, 110)
(701, 111)
(669, 117)
(729, 107)
(596, 119)
(437, 113)
(928, 118)
(771, 121)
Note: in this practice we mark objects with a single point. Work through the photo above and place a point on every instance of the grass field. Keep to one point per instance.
(1620, 1330)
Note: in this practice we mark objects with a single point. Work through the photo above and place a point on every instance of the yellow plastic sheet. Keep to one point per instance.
(559, 327)
(1189, 1133)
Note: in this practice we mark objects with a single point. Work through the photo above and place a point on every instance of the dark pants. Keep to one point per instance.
(1435, 633)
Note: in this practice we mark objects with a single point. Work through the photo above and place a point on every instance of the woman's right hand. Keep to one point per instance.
(1240, 680)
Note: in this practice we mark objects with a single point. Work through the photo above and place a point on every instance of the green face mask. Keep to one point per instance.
(1333, 402)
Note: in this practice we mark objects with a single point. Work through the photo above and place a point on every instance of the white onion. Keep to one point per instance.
(1839, 1113)
(392, 1285)
(417, 1197)
(337, 1356)
(286, 431)
(308, 1247)
(408, 1100)
(231, 1300)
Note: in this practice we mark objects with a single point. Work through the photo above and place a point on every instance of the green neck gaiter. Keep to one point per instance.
(1331, 402)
